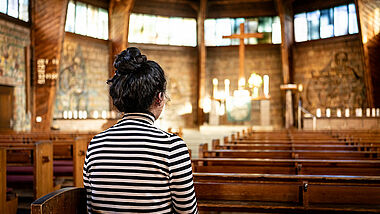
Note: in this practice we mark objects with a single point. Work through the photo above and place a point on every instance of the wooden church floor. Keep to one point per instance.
(206, 133)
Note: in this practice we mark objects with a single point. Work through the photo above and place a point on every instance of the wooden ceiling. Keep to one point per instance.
(220, 8)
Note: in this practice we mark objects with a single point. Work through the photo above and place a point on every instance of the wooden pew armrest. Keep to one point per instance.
(66, 200)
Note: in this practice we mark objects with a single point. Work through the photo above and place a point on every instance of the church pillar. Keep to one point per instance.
(48, 28)
(287, 40)
(365, 11)
(119, 12)
(201, 60)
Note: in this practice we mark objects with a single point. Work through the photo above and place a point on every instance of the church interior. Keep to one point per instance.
(278, 101)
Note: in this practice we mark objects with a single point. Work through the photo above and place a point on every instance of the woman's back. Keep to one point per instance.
(135, 167)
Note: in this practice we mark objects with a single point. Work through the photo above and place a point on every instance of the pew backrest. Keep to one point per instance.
(67, 200)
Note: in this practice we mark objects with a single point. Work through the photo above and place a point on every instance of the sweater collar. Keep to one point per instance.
(147, 117)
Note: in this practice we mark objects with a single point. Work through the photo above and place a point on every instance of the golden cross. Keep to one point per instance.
(242, 36)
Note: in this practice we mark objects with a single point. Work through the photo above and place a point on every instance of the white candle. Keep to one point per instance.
(84, 114)
(319, 112)
(96, 114)
(368, 112)
(266, 86)
(347, 112)
(338, 113)
(104, 114)
(70, 116)
(75, 115)
(359, 112)
(65, 115)
(227, 87)
(215, 88)
(328, 112)
(373, 112)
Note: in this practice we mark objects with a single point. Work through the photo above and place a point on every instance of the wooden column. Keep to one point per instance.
(287, 37)
(365, 15)
(48, 24)
(201, 60)
(119, 13)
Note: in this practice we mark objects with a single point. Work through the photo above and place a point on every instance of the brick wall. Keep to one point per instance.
(180, 65)
(223, 63)
(331, 71)
(13, 41)
(82, 76)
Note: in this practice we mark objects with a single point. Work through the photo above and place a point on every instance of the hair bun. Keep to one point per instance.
(129, 60)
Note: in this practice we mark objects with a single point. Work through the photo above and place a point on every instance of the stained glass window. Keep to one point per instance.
(327, 23)
(300, 27)
(162, 30)
(210, 38)
(13, 8)
(313, 25)
(103, 24)
(24, 10)
(340, 20)
(3, 6)
(276, 30)
(92, 21)
(175, 36)
(81, 18)
(189, 32)
(223, 29)
(251, 26)
(352, 19)
(86, 20)
(235, 24)
(70, 17)
(215, 29)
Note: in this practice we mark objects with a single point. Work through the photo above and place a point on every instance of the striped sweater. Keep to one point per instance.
(134, 167)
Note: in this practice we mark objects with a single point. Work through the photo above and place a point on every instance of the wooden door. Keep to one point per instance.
(6, 107)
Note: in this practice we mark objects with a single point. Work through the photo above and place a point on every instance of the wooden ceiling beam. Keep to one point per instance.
(214, 2)
(48, 18)
(201, 84)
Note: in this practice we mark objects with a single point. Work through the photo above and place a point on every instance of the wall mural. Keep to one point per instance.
(82, 76)
(339, 85)
(13, 40)
(71, 92)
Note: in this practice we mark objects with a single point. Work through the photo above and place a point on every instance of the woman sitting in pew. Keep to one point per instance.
(134, 167)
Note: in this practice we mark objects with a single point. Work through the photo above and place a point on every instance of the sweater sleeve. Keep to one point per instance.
(181, 178)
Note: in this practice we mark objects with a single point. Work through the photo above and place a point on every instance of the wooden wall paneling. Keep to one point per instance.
(182, 8)
(287, 38)
(201, 60)
(241, 9)
(300, 6)
(119, 13)
(48, 23)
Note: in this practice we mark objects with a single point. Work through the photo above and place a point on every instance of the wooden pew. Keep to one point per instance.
(287, 193)
(255, 193)
(287, 166)
(7, 206)
(68, 157)
(41, 159)
(63, 201)
(287, 154)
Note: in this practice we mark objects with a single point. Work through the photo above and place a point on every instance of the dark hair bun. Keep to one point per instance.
(128, 61)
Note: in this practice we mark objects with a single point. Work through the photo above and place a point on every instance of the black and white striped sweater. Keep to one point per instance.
(134, 167)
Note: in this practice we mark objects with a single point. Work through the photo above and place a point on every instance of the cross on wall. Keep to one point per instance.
(241, 38)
